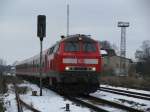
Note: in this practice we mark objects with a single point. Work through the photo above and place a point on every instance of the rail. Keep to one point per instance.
(117, 105)
(21, 103)
(83, 103)
(126, 93)
(19, 106)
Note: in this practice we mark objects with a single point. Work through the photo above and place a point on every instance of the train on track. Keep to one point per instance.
(72, 65)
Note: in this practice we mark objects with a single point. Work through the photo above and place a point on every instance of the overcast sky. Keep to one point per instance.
(18, 23)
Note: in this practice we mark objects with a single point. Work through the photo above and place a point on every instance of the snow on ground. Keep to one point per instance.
(52, 102)
(125, 100)
(49, 102)
(127, 89)
(9, 100)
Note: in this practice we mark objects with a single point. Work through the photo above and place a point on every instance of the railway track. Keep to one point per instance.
(19, 106)
(116, 105)
(21, 103)
(126, 93)
(97, 104)
(101, 105)
(86, 104)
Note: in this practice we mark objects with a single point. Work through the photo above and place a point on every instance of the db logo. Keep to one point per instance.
(80, 61)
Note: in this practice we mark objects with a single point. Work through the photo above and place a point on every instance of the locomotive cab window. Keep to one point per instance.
(72, 46)
(50, 51)
(89, 47)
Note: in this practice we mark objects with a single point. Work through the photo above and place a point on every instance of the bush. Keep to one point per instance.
(12, 79)
(22, 90)
(2, 109)
(5, 80)
(3, 85)
(129, 82)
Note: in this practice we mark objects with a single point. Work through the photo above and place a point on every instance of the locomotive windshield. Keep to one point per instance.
(75, 46)
(72, 46)
(89, 47)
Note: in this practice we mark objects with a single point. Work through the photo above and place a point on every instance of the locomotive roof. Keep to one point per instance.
(84, 38)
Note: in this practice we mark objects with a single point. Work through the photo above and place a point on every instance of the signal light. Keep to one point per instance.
(41, 26)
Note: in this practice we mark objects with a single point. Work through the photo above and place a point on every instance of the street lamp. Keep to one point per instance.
(41, 33)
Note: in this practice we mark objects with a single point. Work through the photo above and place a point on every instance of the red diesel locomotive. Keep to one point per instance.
(72, 65)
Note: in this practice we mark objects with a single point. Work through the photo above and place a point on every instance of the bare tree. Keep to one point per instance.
(116, 49)
(139, 55)
(144, 53)
(110, 48)
(105, 44)
(146, 49)
(3, 87)
(14, 63)
(2, 62)
(143, 57)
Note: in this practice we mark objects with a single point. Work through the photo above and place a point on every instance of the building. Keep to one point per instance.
(111, 63)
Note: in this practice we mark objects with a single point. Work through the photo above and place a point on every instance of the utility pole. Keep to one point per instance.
(41, 33)
(123, 26)
(67, 19)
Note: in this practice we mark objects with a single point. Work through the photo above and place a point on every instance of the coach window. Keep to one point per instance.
(48, 51)
(51, 50)
(43, 64)
(56, 48)
(37, 64)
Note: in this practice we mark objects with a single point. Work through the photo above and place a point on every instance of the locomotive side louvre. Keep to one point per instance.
(72, 64)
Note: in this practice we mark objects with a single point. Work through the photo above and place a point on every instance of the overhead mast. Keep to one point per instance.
(68, 19)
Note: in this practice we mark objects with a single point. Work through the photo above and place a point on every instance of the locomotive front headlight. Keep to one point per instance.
(67, 68)
(93, 69)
